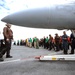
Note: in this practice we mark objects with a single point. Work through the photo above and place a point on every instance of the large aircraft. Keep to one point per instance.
(57, 16)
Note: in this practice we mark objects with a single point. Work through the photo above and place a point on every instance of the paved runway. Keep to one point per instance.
(24, 63)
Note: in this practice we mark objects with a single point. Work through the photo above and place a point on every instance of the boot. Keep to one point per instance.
(8, 56)
(1, 58)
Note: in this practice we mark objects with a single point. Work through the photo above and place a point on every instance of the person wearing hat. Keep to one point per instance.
(8, 36)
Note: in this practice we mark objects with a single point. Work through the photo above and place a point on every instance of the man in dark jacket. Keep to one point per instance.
(72, 37)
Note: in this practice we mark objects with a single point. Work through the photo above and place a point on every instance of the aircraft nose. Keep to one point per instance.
(6, 19)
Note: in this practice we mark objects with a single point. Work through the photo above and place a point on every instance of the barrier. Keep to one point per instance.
(57, 57)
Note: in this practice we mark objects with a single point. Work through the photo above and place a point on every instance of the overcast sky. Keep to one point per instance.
(10, 6)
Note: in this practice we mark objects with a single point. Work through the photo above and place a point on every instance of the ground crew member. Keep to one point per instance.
(8, 36)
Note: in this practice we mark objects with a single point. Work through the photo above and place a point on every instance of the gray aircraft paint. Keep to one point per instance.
(53, 17)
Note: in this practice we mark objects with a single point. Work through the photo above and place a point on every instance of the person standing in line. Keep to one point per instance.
(37, 43)
(35, 38)
(72, 37)
(30, 45)
(8, 37)
(65, 42)
(47, 44)
(57, 42)
(50, 42)
(44, 44)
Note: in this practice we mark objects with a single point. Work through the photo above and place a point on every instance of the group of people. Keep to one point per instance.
(29, 42)
(60, 42)
(57, 43)
(5, 44)
(32, 42)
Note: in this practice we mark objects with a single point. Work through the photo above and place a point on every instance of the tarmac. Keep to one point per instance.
(24, 63)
